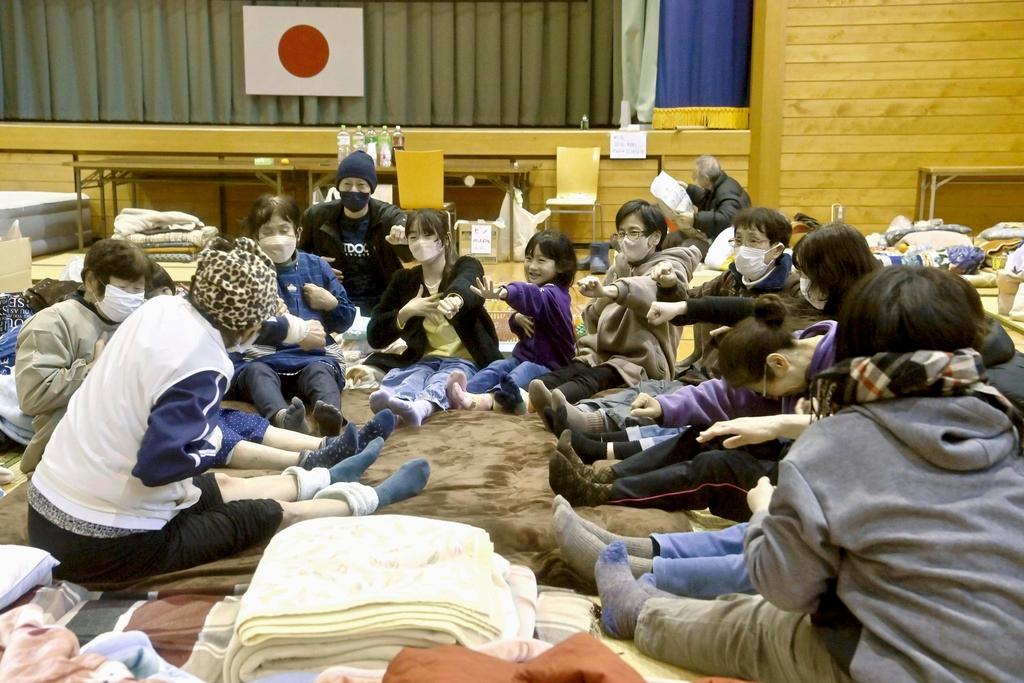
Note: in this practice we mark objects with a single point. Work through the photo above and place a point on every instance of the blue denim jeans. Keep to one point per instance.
(522, 373)
(426, 379)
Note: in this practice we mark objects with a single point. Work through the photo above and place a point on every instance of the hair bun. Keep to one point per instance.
(770, 310)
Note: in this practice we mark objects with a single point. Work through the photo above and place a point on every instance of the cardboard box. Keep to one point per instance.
(479, 239)
(15, 261)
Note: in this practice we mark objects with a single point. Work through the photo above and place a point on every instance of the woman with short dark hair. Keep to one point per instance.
(891, 548)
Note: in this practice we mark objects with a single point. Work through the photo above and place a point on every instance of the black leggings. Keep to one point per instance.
(207, 531)
(682, 474)
(578, 380)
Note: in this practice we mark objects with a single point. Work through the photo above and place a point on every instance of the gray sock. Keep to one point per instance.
(580, 548)
(636, 546)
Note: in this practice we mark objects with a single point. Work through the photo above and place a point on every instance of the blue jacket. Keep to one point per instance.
(304, 269)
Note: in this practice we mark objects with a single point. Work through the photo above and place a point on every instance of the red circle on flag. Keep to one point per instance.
(303, 51)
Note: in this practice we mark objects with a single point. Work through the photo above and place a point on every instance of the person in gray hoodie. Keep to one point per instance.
(891, 549)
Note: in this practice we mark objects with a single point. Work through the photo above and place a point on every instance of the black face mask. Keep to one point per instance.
(354, 201)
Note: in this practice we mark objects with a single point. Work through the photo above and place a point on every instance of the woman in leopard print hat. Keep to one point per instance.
(122, 490)
(235, 286)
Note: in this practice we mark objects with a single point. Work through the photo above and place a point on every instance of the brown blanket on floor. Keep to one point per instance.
(487, 469)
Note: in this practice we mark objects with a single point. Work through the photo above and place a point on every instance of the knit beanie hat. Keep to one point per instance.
(358, 164)
(235, 285)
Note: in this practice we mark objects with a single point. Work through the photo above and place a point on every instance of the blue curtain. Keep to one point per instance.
(704, 53)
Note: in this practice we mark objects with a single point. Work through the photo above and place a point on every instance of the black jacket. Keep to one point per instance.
(472, 323)
(717, 207)
(320, 236)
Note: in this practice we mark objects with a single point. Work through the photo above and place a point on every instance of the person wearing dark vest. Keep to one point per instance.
(351, 231)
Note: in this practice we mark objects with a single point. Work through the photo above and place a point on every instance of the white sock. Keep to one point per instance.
(361, 499)
(309, 482)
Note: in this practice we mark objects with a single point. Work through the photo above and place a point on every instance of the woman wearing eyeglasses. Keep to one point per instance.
(621, 347)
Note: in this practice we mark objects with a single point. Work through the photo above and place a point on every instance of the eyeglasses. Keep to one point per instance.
(632, 234)
(762, 242)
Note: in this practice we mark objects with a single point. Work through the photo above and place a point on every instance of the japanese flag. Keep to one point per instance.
(303, 50)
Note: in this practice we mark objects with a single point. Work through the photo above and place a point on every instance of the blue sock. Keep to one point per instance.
(334, 450)
(350, 469)
(622, 597)
(381, 425)
(409, 480)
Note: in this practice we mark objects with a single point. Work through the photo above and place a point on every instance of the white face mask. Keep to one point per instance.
(280, 248)
(636, 250)
(750, 262)
(244, 345)
(812, 294)
(425, 250)
(117, 304)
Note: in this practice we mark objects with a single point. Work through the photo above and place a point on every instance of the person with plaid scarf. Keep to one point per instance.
(890, 549)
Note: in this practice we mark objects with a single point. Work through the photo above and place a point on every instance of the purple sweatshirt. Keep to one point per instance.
(714, 400)
(553, 343)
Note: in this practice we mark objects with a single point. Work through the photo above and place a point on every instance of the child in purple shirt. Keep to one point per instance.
(542, 321)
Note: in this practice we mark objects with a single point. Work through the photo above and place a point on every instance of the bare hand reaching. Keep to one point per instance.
(664, 311)
(645, 405)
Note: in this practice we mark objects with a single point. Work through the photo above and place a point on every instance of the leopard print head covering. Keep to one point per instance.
(235, 285)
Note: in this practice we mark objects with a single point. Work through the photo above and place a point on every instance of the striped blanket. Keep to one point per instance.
(191, 630)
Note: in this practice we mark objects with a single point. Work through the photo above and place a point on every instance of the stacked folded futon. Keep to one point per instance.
(171, 236)
(355, 591)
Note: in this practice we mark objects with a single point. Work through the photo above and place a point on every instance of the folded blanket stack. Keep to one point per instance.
(164, 235)
(355, 591)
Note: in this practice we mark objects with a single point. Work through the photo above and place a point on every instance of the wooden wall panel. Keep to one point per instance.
(875, 89)
(619, 180)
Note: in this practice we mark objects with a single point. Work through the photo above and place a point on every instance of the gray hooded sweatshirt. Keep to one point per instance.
(913, 509)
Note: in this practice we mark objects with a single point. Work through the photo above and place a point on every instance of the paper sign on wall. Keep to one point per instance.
(480, 241)
(628, 145)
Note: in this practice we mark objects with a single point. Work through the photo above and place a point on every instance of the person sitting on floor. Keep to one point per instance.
(542, 320)
(351, 232)
(762, 265)
(312, 293)
(830, 260)
(122, 490)
(889, 549)
(621, 348)
(767, 368)
(434, 309)
(58, 346)
(250, 442)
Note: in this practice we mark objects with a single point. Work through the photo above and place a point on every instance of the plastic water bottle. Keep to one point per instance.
(344, 143)
(384, 149)
(359, 140)
(585, 123)
(371, 144)
(398, 139)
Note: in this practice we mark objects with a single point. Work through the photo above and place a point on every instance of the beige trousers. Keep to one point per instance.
(742, 636)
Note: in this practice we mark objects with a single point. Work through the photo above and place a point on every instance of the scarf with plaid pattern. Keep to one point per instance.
(885, 376)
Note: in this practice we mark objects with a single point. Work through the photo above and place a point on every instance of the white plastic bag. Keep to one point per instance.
(721, 252)
(523, 223)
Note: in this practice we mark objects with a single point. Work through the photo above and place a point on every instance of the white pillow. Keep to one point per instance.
(21, 569)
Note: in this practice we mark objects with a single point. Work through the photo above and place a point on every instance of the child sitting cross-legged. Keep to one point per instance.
(265, 372)
(543, 322)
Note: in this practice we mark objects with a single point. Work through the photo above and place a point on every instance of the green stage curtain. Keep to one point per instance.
(427, 64)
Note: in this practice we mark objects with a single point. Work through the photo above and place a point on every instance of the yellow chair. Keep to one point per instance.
(576, 184)
(420, 179)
